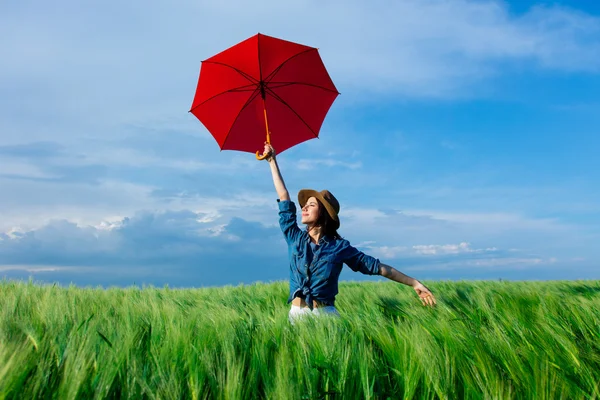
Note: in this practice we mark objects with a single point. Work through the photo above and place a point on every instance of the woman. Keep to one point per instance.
(317, 254)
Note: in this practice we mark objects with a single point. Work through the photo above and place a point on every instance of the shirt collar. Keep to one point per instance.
(324, 239)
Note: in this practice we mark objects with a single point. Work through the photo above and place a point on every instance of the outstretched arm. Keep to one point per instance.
(282, 191)
(391, 273)
(369, 265)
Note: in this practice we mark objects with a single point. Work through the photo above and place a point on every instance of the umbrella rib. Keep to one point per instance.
(292, 110)
(233, 90)
(258, 51)
(239, 71)
(300, 83)
(276, 70)
(250, 100)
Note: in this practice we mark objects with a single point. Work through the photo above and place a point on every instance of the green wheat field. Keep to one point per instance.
(484, 340)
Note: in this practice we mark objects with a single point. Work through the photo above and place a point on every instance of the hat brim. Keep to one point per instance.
(305, 194)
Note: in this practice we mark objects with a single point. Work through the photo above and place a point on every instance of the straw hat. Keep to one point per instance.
(326, 198)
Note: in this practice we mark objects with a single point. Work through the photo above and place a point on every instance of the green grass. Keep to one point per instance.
(493, 339)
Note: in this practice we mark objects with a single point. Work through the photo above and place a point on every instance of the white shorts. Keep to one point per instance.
(297, 312)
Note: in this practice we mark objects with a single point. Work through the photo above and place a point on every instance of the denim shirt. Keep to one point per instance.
(314, 274)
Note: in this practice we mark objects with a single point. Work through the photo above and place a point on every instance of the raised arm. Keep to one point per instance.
(282, 191)
(287, 208)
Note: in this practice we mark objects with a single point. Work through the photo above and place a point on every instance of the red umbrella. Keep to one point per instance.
(263, 85)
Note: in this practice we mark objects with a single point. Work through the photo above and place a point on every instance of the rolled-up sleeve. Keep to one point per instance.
(287, 220)
(360, 262)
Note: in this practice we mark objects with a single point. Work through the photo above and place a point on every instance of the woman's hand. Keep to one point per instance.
(424, 294)
(269, 152)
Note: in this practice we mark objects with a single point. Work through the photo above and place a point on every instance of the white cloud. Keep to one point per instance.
(146, 64)
(502, 265)
(436, 249)
(425, 250)
(386, 252)
(28, 268)
(23, 169)
(503, 220)
(31, 204)
(145, 67)
(121, 156)
(395, 235)
(168, 245)
(111, 84)
(189, 249)
(131, 238)
(109, 224)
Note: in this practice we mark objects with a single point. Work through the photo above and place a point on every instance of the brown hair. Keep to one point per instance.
(327, 224)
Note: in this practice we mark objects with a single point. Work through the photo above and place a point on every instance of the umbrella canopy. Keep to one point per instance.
(263, 86)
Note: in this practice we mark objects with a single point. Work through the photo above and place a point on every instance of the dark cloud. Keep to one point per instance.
(253, 231)
(180, 248)
(154, 248)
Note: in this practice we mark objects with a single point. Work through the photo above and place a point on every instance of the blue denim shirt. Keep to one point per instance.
(314, 275)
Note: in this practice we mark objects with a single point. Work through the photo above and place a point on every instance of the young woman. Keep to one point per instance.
(317, 253)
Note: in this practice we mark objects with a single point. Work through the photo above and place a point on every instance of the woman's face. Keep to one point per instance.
(310, 211)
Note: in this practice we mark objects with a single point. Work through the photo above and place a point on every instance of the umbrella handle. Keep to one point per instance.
(262, 157)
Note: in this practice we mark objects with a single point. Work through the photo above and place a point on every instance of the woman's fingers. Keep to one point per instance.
(432, 300)
(427, 298)
(268, 149)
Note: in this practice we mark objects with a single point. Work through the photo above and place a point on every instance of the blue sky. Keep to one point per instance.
(463, 146)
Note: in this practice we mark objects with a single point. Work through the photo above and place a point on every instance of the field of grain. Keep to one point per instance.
(485, 339)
